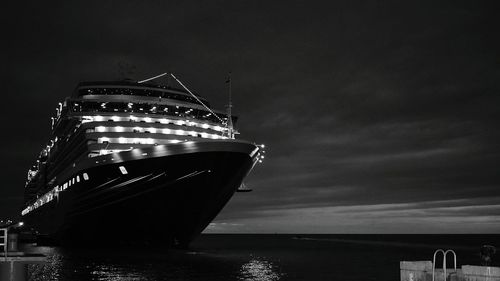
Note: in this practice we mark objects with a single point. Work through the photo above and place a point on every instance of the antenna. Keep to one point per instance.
(229, 107)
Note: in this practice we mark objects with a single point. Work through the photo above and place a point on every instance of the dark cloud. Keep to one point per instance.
(359, 104)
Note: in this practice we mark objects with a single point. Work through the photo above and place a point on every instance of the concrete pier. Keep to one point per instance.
(13, 263)
(422, 271)
(13, 266)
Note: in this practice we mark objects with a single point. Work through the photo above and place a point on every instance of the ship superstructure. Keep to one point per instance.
(135, 155)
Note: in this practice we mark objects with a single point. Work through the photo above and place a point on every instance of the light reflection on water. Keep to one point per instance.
(49, 270)
(112, 273)
(259, 270)
(141, 265)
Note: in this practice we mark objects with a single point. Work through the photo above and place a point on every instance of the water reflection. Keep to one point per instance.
(113, 273)
(65, 265)
(259, 270)
(138, 265)
(50, 270)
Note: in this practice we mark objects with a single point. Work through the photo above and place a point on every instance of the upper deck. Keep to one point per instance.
(132, 88)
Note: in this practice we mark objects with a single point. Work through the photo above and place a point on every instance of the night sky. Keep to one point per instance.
(378, 117)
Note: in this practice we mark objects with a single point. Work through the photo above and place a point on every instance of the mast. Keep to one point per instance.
(230, 128)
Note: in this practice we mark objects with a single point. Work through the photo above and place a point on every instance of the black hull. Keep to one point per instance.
(167, 197)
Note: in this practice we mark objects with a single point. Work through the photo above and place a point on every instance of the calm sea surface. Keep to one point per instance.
(261, 257)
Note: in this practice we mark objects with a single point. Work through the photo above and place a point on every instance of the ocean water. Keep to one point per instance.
(260, 257)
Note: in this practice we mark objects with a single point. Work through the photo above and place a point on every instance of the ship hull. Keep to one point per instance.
(164, 194)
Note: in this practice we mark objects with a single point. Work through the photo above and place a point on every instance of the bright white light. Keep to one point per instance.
(119, 129)
(122, 140)
(123, 170)
(85, 176)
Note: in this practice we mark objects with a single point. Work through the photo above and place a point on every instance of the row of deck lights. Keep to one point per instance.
(123, 140)
(99, 118)
(47, 197)
(119, 129)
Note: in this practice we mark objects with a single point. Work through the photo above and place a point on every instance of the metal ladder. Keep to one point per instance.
(3, 240)
(445, 253)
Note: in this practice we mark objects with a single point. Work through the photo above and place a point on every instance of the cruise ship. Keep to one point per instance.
(133, 162)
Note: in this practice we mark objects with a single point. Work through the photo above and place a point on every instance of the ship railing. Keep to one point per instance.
(3, 240)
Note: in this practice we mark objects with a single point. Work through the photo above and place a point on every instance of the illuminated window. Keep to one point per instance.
(85, 176)
(123, 170)
(77, 178)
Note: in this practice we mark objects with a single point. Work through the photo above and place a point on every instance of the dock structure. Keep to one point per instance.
(430, 271)
(14, 263)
